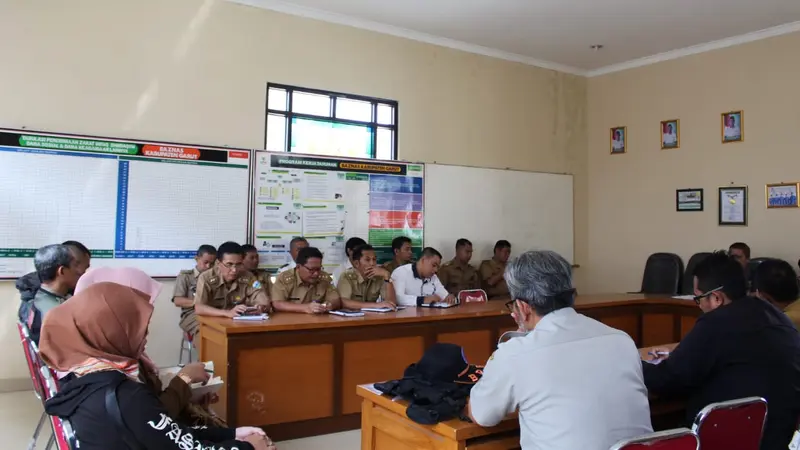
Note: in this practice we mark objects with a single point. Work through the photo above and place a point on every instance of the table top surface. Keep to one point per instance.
(460, 430)
(298, 321)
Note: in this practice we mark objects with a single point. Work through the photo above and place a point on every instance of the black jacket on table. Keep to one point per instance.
(744, 349)
(82, 402)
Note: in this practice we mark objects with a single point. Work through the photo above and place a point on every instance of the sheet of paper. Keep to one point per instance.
(278, 218)
(322, 222)
(683, 297)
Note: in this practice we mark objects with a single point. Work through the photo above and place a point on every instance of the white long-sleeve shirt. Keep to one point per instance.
(410, 288)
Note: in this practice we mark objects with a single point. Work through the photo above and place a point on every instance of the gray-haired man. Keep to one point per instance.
(576, 383)
(58, 268)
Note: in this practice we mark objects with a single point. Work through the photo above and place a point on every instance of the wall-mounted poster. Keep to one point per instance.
(732, 127)
(670, 134)
(619, 138)
(781, 195)
(733, 205)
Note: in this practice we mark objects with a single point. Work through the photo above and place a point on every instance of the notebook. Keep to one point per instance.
(382, 309)
(438, 305)
(346, 313)
(256, 317)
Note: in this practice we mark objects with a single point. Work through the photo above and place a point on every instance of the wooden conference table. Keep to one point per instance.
(295, 375)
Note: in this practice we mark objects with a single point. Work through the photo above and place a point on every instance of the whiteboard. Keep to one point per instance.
(329, 200)
(132, 203)
(533, 211)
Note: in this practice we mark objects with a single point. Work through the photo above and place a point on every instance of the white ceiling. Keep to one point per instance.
(558, 33)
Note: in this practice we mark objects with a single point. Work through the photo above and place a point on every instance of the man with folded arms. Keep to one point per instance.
(228, 290)
(306, 288)
(576, 383)
(740, 347)
(366, 281)
(416, 284)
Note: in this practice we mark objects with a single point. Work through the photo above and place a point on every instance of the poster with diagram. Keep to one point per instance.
(329, 200)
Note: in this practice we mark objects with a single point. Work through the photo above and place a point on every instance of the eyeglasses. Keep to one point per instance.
(231, 266)
(312, 269)
(697, 298)
(510, 305)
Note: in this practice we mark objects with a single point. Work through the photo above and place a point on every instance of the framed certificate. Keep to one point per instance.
(733, 205)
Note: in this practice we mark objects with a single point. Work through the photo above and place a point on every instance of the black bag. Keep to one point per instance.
(112, 409)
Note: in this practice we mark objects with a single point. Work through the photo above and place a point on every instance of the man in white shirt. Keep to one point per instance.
(669, 139)
(295, 245)
(349, 246)
(576, 383)
(416, 284)
(618, 143)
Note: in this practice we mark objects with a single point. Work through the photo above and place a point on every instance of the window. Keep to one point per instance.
(330, 123)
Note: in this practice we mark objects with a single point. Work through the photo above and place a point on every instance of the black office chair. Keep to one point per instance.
(662, 274)
(688, 275)
(751, 271)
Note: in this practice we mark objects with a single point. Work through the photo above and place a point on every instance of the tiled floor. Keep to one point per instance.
(19, 412)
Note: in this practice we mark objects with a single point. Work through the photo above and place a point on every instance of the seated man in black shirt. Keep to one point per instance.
(740, 347)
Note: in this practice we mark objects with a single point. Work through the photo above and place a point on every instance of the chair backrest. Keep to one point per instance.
(688, 275)
(65, 438)
(662, 274)
(735, 424)
(677, 439)
(472, 296)
(31, 356)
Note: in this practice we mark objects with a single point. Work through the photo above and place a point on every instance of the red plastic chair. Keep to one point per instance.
(32, 357)
(187, 346)
(63, 437)
(472, 296)
(677, 439)
(735, 424)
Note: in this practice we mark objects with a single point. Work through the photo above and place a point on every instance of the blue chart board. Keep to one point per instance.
(133, 203)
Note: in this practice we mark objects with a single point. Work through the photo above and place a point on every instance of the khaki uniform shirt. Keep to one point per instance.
(488, 269)
(457, 277)
(793, 312)
(391, 266)
(289, 287)
(265, 278)
(186, 286)
(352, 285)
(214, 292)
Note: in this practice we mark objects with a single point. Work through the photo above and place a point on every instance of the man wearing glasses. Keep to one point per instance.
(576, 382)
(740, 347)
(227, 289)
(306, 288)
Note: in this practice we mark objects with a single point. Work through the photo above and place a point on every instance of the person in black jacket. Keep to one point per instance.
(99, 336)
(740, 347)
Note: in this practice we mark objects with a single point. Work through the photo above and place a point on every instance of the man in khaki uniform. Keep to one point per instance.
(401, 247)
(228, 290)
(457, 274)
(366, 282)
(250, 262)
(306, 288)
(186, 286)
(492, 271)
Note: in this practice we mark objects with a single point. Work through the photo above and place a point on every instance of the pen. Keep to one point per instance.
(657, 354)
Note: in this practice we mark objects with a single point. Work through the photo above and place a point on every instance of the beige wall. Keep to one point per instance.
(632, 196)
(196, 72)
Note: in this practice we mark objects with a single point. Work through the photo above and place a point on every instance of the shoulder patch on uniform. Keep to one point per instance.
(286, 277)
(187, 272)
(325, 276)
(256, 284)
(448, 263)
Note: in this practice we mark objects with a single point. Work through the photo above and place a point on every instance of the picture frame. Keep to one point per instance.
(618, 140)
(670, 134)
(687, 200)
(781, 195)
(732, 126)
(732, 208)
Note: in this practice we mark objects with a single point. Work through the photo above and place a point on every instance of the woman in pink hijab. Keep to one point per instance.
(176, 398)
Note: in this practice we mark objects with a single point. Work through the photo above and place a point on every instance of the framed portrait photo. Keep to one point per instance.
(689, 199)
(670, 134)
(732, 127)
(619, 140)
(781, 195)
(733, 205)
